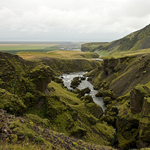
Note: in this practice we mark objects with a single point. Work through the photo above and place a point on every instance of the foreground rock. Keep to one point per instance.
(11, 131)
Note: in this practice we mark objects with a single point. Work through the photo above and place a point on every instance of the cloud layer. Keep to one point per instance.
(82, 17)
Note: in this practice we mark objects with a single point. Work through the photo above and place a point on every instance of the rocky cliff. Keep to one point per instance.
(124, 83)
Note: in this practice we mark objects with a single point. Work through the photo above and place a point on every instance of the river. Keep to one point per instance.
(67, 78)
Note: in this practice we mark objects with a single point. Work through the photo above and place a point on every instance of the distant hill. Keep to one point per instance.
(134, 41)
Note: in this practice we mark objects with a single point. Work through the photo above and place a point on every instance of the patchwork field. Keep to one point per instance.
(15, 48)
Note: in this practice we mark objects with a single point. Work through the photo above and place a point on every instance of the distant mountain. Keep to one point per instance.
(134, 41)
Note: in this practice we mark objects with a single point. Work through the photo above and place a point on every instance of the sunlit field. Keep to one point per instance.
(56, 54)
(15, 48)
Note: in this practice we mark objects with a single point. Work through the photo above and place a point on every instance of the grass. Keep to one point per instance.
(119, 54)
(22, 146)
(25, 46)
(15, 48)
(64, 94)
(56, 54)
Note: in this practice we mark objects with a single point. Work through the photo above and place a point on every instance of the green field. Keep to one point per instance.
(56, 54)
(15, 48)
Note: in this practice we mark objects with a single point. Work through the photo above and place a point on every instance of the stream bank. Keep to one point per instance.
(67, 78)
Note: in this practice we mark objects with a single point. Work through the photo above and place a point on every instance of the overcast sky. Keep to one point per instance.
(71, 20)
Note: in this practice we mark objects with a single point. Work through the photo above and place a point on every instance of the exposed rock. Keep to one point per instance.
(137, 97)
(144, 127)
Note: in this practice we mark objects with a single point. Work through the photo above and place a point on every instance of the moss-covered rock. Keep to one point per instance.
(75, 82)
(107, 100)
(95, 109)
(41, 75)
(78, 133)
(144, 126)
(82, 92)
(137, 97)
(11, 102)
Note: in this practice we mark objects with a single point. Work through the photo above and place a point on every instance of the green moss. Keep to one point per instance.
(141, 89)
(148, 99)
(106, 130)
(23, 129)
(123, 143)
(11, 102)
(36, 119)
(14, 138)
(75, 144)
(145, 120)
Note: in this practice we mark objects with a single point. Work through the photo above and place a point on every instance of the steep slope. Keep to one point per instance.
(123, 74)
(134, 41)
(25, 92)
(125, 85)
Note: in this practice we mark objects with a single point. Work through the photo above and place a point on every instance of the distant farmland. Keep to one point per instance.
(15, 48)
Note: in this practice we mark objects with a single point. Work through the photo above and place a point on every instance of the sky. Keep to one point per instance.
(71, 20)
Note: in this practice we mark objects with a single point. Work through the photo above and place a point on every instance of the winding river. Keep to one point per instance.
(67, 78)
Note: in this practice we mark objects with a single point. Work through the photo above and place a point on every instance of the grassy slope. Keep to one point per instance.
(57, 54)
(134, 41)
(122, 74)
(119, 54)
(75, 103)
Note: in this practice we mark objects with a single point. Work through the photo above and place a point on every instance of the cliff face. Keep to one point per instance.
(123, 74)
(124, 83)
(22, 80)
(70, 65)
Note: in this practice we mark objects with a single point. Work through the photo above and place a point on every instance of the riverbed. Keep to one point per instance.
(67, 78)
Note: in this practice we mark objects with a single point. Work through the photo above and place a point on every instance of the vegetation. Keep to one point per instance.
(128, 45)
(15, 48)
(46, 108)
(58, 54)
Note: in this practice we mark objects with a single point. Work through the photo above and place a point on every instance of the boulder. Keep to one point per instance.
(75, 82)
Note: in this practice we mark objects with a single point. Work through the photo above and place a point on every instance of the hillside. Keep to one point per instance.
(125, 85)
(36, 111)
(134, 41)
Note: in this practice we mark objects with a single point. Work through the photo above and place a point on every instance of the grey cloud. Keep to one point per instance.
(96, 18)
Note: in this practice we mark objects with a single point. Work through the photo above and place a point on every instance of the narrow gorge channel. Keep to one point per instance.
(67, 78)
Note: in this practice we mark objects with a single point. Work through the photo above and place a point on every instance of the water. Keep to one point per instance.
(67, 78)
(98, 59)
